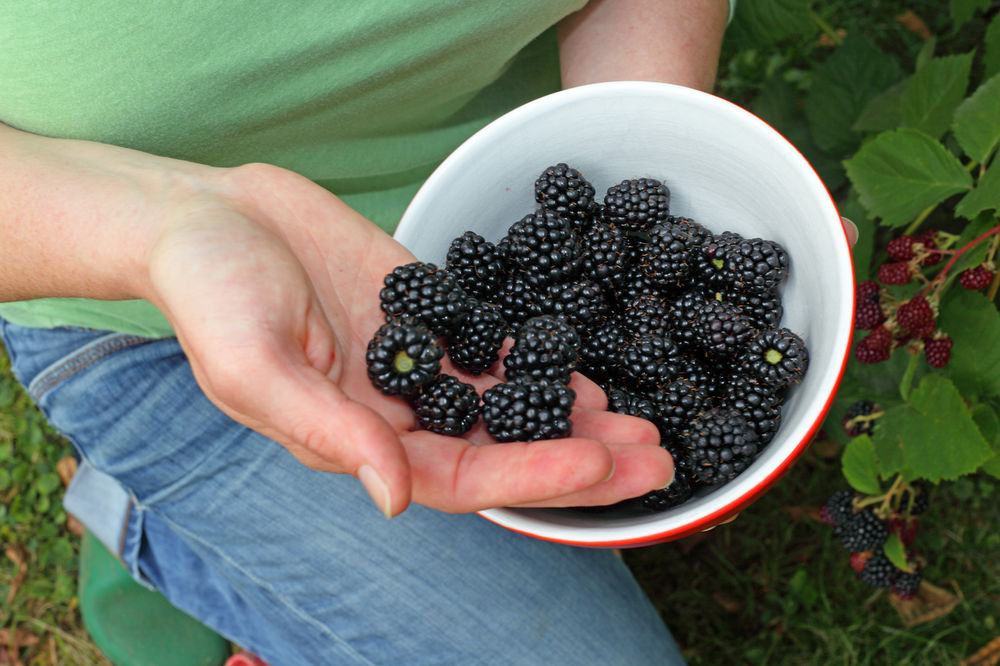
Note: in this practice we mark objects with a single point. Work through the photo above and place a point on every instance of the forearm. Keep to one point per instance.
(674, 41)
(77, 218)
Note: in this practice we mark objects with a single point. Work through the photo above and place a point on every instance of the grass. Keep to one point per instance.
(774, 587)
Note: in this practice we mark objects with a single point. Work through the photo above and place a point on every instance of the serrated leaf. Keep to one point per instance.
(883, 111)
(941, 442)
(760, 23)
(901, 172)
(896, 552)
(985, 196)
(992, 466)
(962, 10)
(991, 48)
(934, 92)
(988, 423)
(926, 52)
(973, 323)
(841, 87)
(888, 441)
(977, 120)
(860, 466)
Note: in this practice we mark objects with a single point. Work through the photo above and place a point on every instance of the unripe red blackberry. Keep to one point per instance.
(874, 347)
(915, 315)
(937, 351)
(976, 278)
(897, 272)
(927, 252)
(868, 309)
(900, 248)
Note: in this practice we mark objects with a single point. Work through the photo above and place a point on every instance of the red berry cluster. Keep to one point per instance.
(895, 322)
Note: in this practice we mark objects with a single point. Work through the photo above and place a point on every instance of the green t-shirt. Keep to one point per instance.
(364, 98)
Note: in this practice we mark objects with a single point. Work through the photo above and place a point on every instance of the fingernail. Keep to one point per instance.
(673, 473)
(376, 488)
(853, 226)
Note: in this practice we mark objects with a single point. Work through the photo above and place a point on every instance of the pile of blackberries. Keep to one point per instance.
(679, 326)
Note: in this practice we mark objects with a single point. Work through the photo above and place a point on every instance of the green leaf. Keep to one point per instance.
(988, 423)
(860, 466)
(962, 10)
(926, 53)
(887, 441)
(991, 48)
(977, 120)
(973, 323)
(841, 87)
(934, 92)
(896, 552)
(941, 441)
(760, 23)
(47, 483)
(883, 111)
(985, 196)
(901, 172)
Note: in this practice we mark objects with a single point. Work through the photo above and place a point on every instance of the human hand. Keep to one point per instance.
(271, 284)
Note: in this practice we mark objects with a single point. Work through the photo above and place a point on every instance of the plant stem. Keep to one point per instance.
(920, 220)
(951, 262)
(826, 28)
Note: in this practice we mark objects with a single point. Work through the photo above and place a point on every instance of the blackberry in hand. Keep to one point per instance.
(447, 406)
(425, 292)
(518, 300)
(528, 411)
(581, 302)
(600, 352)
(777, 357)
(403, 356)
(637, 204)
(477, 265)
(564, 191)
(474, 345)
(545, 348)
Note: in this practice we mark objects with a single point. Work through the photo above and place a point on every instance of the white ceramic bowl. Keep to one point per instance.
(727, 169)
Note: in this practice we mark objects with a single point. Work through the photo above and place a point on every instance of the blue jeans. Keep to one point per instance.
(298, 565)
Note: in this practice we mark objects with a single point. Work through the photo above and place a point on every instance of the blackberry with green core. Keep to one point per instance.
(720, 444)
(403, 356)
(528, 411)
(709, 271)
(564, 191)
(637, 204)
(545, 247)
(447, 406)
(477, 265)
(777, 357)
(545, 348)
(426, 292)
(475, 342)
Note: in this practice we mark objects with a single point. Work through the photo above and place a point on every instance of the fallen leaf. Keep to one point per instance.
(827, 40)
(18, 554)
(800, 513)
(66, 468)
(729, 605)
(914, 24)
(22, 637)
(930, 603)
(988, 655)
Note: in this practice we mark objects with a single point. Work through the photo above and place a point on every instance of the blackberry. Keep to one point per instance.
(874, 347)
(868, 308)
(709, 269)
(581, 302)
(650, 359)
(678, 492)
(878, 571)
(721, 329)
(474, 344)
(564, 191)
(915, 315)
(606, 254)
(777, 357)
(529, 411)
(863, 531)
(545, 348)
(637, 204)
(761, 309)
(518, 300)
(712, 378)
(667, 253)
(757, 263)
(907, 584)
(403, 356)
(858, 419)
(600, 350)
(978, 277)
(759, 404)
(895, 272)
(914, 501)
(426, 292)
(684, 313)
(645, 312)
(838, 508)
(677, 404)
(937, 351)
(632, 403)
(720, 444)
(545, 247)
(900, 248)
(447, 406)
(633, 283)
(477, 265)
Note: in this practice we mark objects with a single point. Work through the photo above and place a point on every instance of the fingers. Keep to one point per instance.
(851, 230)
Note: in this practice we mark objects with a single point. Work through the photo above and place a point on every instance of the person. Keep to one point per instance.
(196, 203)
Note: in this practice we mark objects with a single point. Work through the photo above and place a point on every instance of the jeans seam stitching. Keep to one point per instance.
(47, 381)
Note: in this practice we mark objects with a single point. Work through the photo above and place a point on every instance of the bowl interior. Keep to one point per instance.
(727, 170)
